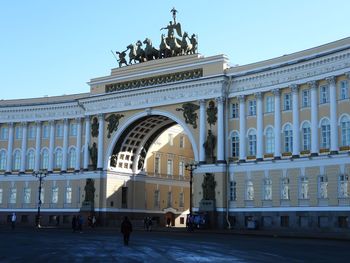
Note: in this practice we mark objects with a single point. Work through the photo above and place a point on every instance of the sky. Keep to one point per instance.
(52, 48)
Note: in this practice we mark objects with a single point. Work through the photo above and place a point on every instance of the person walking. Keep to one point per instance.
(13, 221)
(126, 229)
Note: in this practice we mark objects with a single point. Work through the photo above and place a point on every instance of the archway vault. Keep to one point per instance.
(129, 146)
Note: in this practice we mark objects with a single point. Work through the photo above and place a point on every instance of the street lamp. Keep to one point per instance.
(191, 167)
(41, 175)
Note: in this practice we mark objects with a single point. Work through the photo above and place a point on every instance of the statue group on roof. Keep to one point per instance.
(175, 43)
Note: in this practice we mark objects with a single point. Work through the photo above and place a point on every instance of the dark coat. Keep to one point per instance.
(126, 227)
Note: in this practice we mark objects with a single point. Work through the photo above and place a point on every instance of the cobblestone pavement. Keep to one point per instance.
(105, 245)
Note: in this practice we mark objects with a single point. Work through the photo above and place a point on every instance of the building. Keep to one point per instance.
(271, 139)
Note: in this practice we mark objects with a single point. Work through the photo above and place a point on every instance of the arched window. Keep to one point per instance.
(30, 160)
(16, 160)
(235, 144)
(72, 156)
(306, 131)
(325, 134)
(3, 159)
(269, 140)
(345, 131)
(58, 159)
(252, 143)
(45, 159)
(288, 138)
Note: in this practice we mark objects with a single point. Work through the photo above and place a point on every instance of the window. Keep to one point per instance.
(235, 144)
(58, 159)
(170, 139)
(72, 156)
(287, 101)
(270, 104)
(17, 160)
(30, 160)
(252, 107)
(322, 187)
(285, 189)
(304, 188)
(45, 159)
(306, 98)
(233, 191)
(182, 141)
(169, 199)
(73, 129)
(324, 94)
(4, 133)
(31, 132)
(124, 197)
(181, 199)
(157, 165)
(3, 158)
(267, 189)
(234, 110)
(252, 143)
(344, 89)
(249, 190)
(59, 130)
(345, 131)
(26, 195)
(288, 138)
(46, 131)
(325, 134)
(181, 169)
(343, 188)
(0, 195)
(18, 132)
(68, 195)
(270, 140)
(156, 198)
(170, 167)
(54, 198)
(306, 130)
(13, 195)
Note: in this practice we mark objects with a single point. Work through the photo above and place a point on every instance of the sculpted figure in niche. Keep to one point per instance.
(89, 190)
(209, 147)
(208, 186)
(94, 127)
(93, 154)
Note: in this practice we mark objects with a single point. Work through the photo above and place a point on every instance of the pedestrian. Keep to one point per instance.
(80, 223)
(74, 223)
(13, 221)
(93, 221)
(168, 222)
(150, 224)
(126, 229)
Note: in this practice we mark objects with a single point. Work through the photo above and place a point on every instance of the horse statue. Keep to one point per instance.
(140, 53)
(150, 52)
(164, 48)
(185, 47)
(175, 47)
(133, 56)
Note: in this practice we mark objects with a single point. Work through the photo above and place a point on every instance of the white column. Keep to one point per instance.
(259, 126)
(87, 142)
(51, 145)
(202, 130)
(296, 131)
(220, 133)
(314, 119)
(242, 131)
(37, 146)
(23, 148)
(65, 146)
(333, 114)
(78, 150)
(9, 149)
(101, 128)
(277, 123)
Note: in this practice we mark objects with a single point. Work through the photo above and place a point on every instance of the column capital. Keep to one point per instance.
(276, 92)
(24, 124)
(241, 98)
(10, 124)
(220, 99)
(78, 119)
(258, 95)
(312, 84)
(331, 80)
(37, 123)
(202, 101)
(87, 117)
(294, 88)
(65, 121)
(101, 115)
(52, 122)
(347, 75)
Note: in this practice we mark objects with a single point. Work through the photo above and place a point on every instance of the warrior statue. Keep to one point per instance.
(122, 59)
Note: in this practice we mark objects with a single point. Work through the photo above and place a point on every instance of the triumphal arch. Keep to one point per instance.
(171, 132)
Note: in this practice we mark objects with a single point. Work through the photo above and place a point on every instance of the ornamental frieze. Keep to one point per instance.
(157, 80)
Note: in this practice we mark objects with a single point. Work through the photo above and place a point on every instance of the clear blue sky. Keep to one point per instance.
(55, 47)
